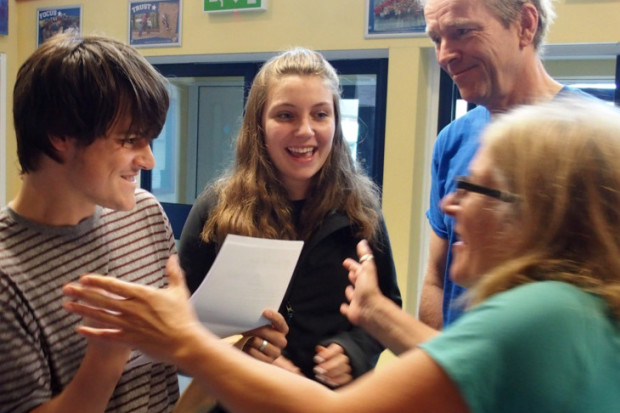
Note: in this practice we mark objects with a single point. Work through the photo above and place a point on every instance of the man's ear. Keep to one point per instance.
(528, 24)
(62, 145)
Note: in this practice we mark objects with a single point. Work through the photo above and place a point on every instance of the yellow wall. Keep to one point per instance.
(322, 25)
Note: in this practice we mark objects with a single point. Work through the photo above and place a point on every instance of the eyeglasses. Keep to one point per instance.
(462, 182)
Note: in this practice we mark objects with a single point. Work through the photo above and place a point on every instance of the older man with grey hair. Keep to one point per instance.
(491, 50)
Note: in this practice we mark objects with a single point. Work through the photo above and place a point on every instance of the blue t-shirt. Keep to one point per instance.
(542, 347)
(454, 149)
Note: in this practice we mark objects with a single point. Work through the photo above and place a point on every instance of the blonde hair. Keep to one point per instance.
(562, 159)
(251, 198)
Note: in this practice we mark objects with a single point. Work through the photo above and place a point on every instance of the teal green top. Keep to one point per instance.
(541, 347)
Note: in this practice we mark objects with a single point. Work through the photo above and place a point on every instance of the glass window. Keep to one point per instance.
(196, 144)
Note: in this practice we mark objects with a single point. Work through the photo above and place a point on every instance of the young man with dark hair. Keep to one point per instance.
(85, 112)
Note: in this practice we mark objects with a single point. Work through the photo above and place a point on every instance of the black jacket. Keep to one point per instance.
(312, 303)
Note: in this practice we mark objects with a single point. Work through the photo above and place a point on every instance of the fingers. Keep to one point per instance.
(351, 312)
(277, 320)
(349, 292)
(114, 335)
(326, 353)
(366, 259)
(286, 364)
(266, 342)
(92, 285)
(363, 248)
(111, 287)
(344, 309)
(174, 272)
(333, 366)
(277, 340)
(103, 318)
(94, 297)
(261, 349)
(351, 265)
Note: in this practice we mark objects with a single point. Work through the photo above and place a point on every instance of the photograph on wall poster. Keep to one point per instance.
(155, 23)
(4, 16)
(395, 18)
(54, 20)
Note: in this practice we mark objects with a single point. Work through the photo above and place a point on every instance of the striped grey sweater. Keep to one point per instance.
(39, 348)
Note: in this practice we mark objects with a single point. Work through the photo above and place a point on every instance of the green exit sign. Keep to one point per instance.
(212, 6)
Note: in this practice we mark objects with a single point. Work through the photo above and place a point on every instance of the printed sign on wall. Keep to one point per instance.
(55, 20)
(155, 23)
(4, 16)
(395, 18)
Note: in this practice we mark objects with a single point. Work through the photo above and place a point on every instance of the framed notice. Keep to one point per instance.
(4, 16)
(2, 129)
(155, 23)
(55, 20)
(395, 18)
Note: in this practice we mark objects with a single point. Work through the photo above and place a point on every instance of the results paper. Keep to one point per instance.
(248, 275)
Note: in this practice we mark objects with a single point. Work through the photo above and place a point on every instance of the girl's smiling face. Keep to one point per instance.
(299, 123)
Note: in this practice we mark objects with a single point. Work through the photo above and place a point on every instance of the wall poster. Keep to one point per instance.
(4, 16)
(395, 18)
(155, 23)
(54, 20)
(2, 130)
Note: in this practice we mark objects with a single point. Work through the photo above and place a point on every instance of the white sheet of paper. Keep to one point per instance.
(248, 275)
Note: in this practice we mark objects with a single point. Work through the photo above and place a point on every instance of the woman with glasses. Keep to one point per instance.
(539, 251)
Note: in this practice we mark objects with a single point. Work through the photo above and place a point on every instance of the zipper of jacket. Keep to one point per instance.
(289, 311)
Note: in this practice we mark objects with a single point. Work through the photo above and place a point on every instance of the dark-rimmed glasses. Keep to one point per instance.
(462, 182)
